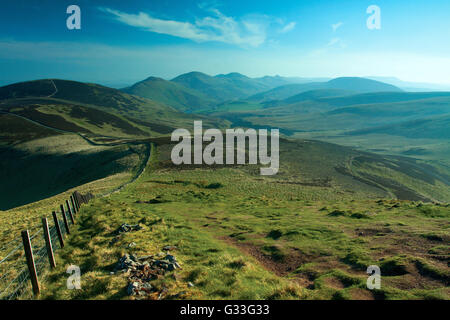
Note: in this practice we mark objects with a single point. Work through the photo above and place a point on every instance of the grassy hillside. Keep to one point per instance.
(248, 237)
(386, 122)
(314, 116)
(81, 119)
(360, 85)
(430, 128)
(308, 232)
(285, 91)
(316, 94)
(223, 87)
(14, 130)
(170, 93)
(122, 106)
(40, 168)
(85, 93)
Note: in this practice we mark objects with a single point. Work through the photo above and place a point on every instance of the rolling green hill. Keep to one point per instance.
(226, 86)
(171, 94)
(308, 232)
(360, 85)
(380, 97)
(430, 128)
(161, 117)
(323, 114)
(40, 168)
(356, 85)
(285, 91)
(399, 123)
(216, 88)
(316, 94)
(15, 130)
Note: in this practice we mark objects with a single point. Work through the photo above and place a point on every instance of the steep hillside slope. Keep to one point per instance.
(40, 168)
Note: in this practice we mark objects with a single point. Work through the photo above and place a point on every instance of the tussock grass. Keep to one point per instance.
(250, 239)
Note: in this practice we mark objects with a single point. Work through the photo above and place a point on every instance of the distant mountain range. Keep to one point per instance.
(196, 91)
(348, 106)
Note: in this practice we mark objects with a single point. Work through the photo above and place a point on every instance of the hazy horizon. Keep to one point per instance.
(387, 79)
(121, 43)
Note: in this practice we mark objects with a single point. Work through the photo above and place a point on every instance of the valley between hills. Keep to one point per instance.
(364, 180)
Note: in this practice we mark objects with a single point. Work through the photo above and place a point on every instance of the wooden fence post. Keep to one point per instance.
(48, 243)
(30, 261)
(77, 203)
(58, 229)
(66, 223)
(73, 205)
(70, 212)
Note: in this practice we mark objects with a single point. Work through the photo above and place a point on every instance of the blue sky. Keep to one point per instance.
(121, 42)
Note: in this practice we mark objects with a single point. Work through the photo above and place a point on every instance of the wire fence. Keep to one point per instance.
(15, 274)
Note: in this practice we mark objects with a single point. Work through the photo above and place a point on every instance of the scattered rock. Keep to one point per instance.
(170, 248)
(132, 288)
(142, 270)
(128, 228)
(179, 295)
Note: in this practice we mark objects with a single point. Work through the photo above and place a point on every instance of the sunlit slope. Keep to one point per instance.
(62, 92)
(437, 127)
(238, 235)
(318, 170)
(322, 115)
(171, 94)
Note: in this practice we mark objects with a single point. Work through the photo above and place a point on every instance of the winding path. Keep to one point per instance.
(56, 89)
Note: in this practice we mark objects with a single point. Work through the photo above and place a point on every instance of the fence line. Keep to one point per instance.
(23, 266)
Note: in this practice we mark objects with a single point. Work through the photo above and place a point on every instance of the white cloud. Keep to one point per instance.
(336, 26)
(288, 27)
(334, 41)
(95, 62)
(217, 27)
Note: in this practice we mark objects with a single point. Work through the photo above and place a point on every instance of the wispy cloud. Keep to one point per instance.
(216, 27)
(89, 61)
(288, 27)
(336, 26)
(337, 42)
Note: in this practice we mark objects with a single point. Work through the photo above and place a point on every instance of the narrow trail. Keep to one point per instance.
(56, 89)
(350, 168)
